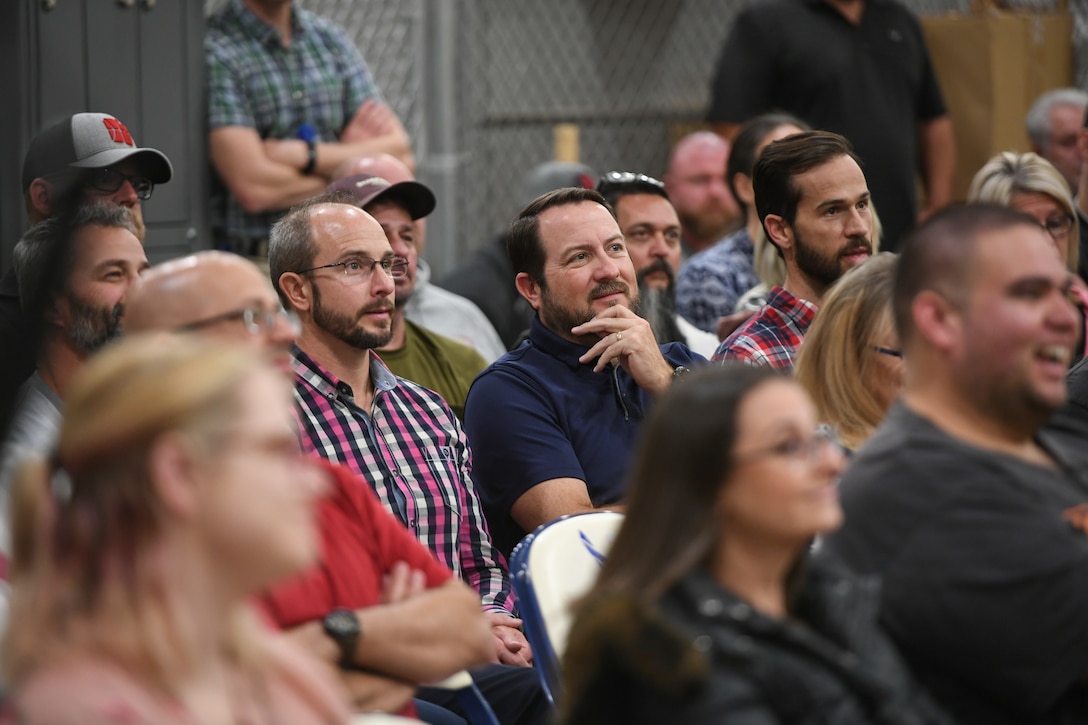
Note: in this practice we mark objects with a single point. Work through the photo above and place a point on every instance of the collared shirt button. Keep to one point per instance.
(711, 607)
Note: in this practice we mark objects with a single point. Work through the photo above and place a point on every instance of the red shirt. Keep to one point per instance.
(360, 542)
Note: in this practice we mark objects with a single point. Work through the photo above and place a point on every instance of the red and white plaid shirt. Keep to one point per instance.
(772, 336)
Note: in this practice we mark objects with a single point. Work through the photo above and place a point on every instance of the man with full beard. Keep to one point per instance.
(333, 266)
(414, 352)
(814, 202)
(553, 422)
(80, 305)
(651, 230)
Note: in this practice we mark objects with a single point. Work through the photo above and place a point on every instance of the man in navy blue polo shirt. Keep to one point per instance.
(552, 423)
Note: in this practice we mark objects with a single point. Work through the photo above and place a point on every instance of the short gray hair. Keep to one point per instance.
(1038, 118)
(42, 260)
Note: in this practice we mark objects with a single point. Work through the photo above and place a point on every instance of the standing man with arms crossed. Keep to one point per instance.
(289, 100)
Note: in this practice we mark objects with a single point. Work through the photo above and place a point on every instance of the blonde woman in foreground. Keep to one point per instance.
(850, 362)
(176, 491)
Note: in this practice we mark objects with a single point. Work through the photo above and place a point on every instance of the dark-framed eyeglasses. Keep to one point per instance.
(256, 320)
(1058, 226)
(110, 180)
(361, 268)
(887, 351)
(801, 449)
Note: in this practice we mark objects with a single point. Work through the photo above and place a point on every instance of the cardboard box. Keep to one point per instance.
(992, 64)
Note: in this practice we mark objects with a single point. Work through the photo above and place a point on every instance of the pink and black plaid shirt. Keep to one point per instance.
(772, 336)
(411, 449)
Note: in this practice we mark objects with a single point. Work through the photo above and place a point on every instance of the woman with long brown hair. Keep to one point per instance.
(709, 608)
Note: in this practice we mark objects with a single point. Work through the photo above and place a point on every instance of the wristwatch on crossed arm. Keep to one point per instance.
(342, 625)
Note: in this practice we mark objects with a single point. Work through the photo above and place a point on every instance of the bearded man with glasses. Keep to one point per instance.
(86, 158)
(334, 267)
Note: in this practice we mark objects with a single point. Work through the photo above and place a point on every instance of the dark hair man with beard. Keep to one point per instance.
(813, 200)
(553, 422)
(333, 266)
(414, 351)
(80, 305)
(651, 230)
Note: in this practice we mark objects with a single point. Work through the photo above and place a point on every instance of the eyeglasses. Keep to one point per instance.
(800, 449)
(256, 321)
(1058, 226)
(110, 180)
(360, 268)
(887, 351)
(625, 178)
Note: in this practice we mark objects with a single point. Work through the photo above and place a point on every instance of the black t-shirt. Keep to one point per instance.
(872, 83)
(984, 560)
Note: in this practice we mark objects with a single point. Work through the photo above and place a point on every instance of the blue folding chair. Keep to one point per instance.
(551, 569)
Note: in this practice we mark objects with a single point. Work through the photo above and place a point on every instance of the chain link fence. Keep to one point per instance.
(632, 75)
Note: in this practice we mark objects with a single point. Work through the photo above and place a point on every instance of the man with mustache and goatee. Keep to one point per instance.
(651, 229)
(814, 202)
(74, 271)
(553, 422)
(414, 352)
(333, 266)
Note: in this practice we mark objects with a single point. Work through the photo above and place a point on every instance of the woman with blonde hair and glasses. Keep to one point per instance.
(1031, 184)
(850, 362)
(176, 492)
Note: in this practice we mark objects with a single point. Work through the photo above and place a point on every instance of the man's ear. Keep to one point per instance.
(297, 291)
(743, 184)
(528, 289)
(779, 231)
(40, 194)
(937, 320)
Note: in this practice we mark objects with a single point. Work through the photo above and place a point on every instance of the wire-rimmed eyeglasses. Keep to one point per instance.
(1058, 226)
(257, 321)
(361, 268)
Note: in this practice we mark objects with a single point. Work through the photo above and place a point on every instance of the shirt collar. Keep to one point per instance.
(558, 347)
(314, 374)
(262, 31)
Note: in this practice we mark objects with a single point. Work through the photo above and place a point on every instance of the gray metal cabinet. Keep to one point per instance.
(142, 61)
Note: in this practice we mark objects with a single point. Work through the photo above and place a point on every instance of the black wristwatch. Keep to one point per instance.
(342, 625)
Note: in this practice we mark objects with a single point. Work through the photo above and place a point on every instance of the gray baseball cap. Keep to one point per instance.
(91, 141)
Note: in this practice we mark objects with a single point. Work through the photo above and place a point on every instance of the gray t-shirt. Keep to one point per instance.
(33, 431)
(984, 561)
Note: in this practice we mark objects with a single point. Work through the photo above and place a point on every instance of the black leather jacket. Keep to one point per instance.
(705, 656)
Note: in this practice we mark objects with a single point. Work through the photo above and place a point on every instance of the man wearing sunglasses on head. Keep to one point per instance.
(88, 157)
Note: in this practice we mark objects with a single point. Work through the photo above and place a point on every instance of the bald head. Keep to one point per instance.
(216, 294)
(386, 166)
(194, 288)
(695, 145)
